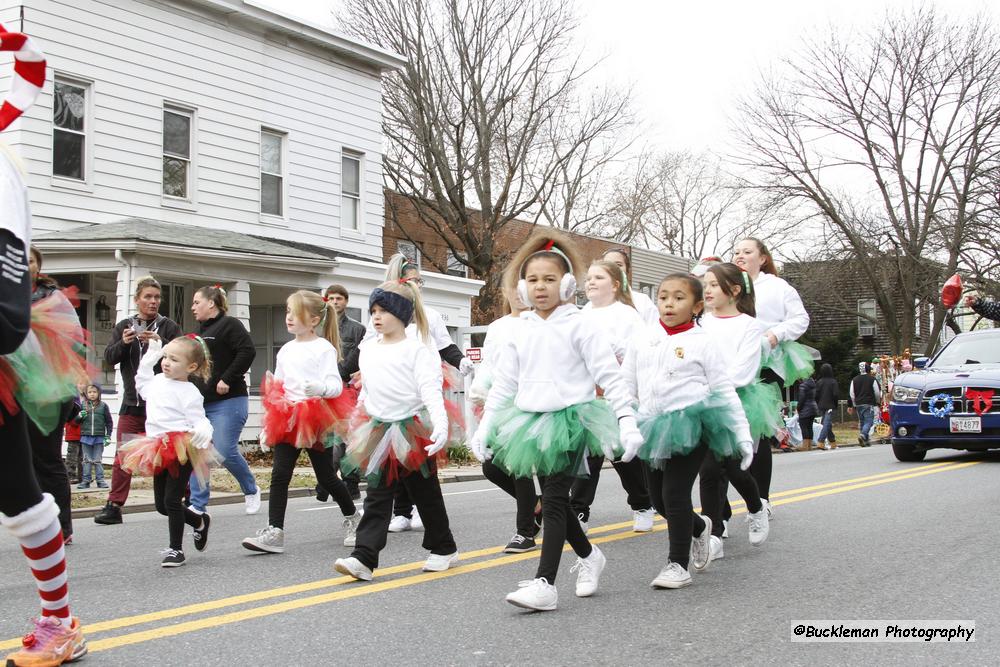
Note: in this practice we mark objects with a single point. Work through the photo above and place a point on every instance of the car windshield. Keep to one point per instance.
(977, 350)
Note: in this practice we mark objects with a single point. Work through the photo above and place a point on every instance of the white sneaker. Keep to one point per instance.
(352, 567)
(416, 523)
(583, 524)
(725, 528)
(252, 502)
(268, 540)
(589, 572)
(672, 576)
(759, 526)
(643, 520)
(351, 528)
(715, 547)
(701, 554)
(535, 594)
(399, 524)
(438, 563)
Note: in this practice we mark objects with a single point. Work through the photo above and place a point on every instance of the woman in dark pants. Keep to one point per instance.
(808, 411)
(827, 398)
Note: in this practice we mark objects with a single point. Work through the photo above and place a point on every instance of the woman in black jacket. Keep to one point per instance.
(827, 398)
(808, 410)
(227, 401)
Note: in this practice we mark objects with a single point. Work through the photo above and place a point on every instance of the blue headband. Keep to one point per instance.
(397, 304)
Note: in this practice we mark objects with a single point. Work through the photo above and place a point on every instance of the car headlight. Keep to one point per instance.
(905, 394)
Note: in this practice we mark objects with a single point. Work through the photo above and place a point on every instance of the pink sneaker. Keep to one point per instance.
(50, 644)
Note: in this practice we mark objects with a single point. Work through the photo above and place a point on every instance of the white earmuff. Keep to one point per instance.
(522, 292)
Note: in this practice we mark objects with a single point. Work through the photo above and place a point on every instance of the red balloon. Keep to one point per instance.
(952, 291)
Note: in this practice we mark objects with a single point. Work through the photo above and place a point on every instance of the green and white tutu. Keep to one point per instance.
(549, 443)
(679, 432)
(791, 361)
(762, 405)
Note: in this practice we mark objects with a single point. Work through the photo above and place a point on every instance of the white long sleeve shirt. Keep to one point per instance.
(647, 309)
(400, 379)
(779, 307)
(171, 405)
(666, 373)
(739, 340)
(618, 321)
(314, 360)
(551, 364)
(498, 333)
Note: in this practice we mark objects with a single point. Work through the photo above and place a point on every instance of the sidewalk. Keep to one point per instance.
(141, 500)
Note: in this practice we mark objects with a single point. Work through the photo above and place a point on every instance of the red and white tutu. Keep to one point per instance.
(148, 456)
(314, 423)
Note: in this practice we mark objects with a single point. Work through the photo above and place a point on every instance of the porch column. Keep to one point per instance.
(239, 302)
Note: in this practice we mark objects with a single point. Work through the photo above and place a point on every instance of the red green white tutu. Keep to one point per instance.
(148, 456)
(680, 432)
(385, 451)
(548, 443)
(314, 423)
(762, 405)
(791, 361)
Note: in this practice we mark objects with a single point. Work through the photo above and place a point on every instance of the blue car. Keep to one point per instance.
(948, 402)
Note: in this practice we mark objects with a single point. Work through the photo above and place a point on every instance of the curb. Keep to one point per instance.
(87, 512)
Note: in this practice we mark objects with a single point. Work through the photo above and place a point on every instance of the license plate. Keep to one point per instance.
(966, 425)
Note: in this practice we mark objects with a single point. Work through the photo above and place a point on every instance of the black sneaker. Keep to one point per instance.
(110, 515)
(201, 534)
(321, 494)
(172, 558)
(520, 544)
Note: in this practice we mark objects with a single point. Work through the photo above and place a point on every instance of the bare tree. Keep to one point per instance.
(484, 124)
(889, 138)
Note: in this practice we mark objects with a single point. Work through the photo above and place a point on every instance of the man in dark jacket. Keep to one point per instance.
(865, 397)
(129, 341)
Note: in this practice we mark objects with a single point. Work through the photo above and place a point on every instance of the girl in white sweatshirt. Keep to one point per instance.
(178, 435)
(687, 403)
(304, 408)
(729, 300)
(610, 308)
(542, 415)
(402, 431)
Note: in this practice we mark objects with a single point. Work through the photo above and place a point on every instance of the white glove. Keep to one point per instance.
(201, 436)
(478, 446)
(632, 440)
(154, 352)
(313, 388)
(465, 366)
(478, 392)
(746, 450)
(439, 438)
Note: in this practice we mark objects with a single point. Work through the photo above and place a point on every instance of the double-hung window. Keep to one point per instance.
(178, 125)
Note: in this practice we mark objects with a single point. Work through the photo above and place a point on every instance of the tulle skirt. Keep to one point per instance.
(791, 361)
(680, 432)
(43, 373)
(148, 456)
(762, 405)
(548, 443)
(315, 423)
(385, 451)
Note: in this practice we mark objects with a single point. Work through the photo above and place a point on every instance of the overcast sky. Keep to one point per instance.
(690, 61)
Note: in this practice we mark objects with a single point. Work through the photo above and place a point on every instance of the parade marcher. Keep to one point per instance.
(687, 407)
(178, 436)
(643, 304)
(30, 516)
(96, 426)
(610, 309)
(731, 321)
(780, 310)
(129, 342)
(522, 489)
(542, 414)
(865, 396)
(305, 407)
(400, 432)
(827, 399)
(227, 399)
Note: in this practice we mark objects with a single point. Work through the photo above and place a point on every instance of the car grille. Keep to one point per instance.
(963, 406)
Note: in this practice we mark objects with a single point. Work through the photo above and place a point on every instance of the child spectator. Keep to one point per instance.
(71, 433)
(95, 433)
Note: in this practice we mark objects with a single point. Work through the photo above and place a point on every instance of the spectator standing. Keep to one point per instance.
(95, 433)
(808, 410)
(827, 398)
(71, 434)
(865, 396)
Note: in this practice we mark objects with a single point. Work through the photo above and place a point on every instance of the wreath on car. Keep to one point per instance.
(946, 403)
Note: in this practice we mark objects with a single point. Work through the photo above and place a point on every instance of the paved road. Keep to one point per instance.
(856, 536)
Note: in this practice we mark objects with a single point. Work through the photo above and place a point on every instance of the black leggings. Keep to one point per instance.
(282, 467)
(522, 490)
(561, 526)
(46, 452)
(760, 468)
(19, 488)
(633, 480)
(168, 494)
(670, 490)
(714, 492)
(806, 424)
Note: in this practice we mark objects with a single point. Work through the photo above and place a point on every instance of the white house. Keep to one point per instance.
(203, 142)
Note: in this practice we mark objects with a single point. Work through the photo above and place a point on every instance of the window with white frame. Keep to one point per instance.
(69, 129)
(456, 267)
(178, 124)
(867, 312)
(409, 250)
(272, 181)
(350, 191)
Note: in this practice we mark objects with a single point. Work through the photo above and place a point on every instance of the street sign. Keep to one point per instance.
(474, 354)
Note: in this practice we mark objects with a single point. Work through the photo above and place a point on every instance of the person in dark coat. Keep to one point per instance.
(808, 410)
(827, 398)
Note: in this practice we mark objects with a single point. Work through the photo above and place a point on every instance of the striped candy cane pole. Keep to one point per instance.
(29, 75)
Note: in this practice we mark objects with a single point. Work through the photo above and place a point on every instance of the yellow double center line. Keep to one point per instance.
(599, 535)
